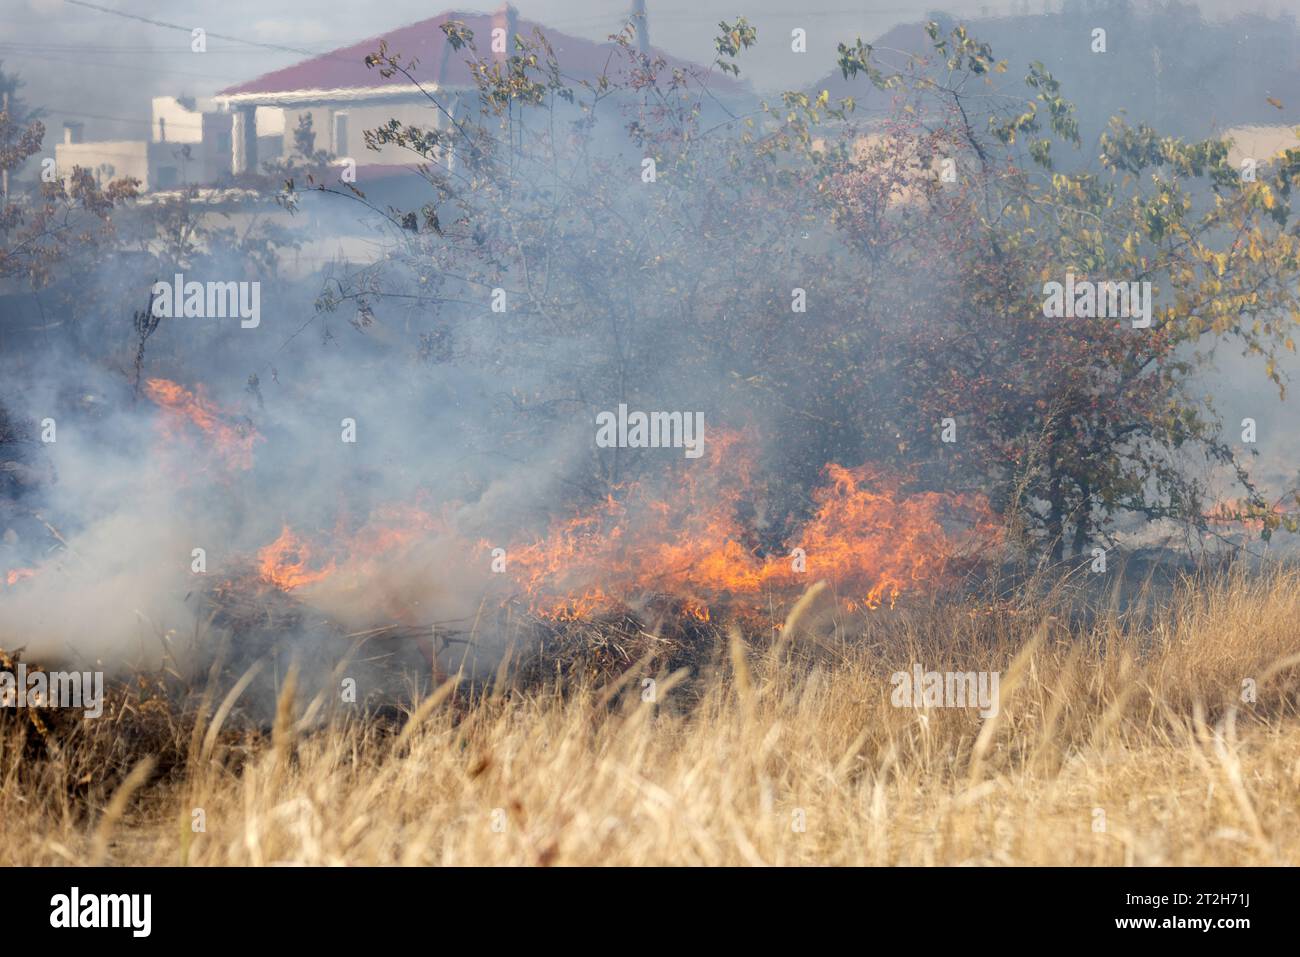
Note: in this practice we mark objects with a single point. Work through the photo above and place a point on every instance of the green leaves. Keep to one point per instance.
(856, 59)
(458, 35)
(734, 37)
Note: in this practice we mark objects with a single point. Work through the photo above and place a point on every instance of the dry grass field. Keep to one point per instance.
(1122, 743)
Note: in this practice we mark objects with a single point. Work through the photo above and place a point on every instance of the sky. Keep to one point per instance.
(102, 69)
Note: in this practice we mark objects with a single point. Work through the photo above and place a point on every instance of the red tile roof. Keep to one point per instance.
(345, 69)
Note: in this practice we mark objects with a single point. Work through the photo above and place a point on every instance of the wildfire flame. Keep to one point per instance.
(1244, 514)
(390, 531)
(688, 544)
(16, 575)
(870, 540)
(232, 441)
(285, 562)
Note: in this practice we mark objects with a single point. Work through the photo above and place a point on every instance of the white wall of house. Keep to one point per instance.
(340, 127)
(270, 121)
(176, 120)
(107, 159)
(190, 143)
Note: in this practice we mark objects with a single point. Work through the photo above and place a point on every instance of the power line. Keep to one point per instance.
(83, 49)
(97, 116)
(190, 30)
(120, 119)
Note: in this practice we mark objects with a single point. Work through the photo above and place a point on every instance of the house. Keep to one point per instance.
(189, 143)
(210, 142)
(343, 97)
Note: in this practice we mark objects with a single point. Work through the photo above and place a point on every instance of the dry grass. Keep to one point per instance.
(1143, 722)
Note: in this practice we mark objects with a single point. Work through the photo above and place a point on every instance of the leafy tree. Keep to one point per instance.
(924, 297)
(1074, 421)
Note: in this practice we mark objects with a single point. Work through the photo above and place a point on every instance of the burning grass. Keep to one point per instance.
(1124, 742)
(865, 533)
(191, 417)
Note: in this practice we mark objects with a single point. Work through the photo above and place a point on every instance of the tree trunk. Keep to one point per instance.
(1083, 524)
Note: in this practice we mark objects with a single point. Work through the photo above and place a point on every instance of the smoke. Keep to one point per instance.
(347, 465)
(138, 509)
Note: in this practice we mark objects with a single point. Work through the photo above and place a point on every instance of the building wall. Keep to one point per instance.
(175, 121)
(197, 147)
(172, 165)
(346, 138)
(157, 165)
(108, 159)
(218, 145)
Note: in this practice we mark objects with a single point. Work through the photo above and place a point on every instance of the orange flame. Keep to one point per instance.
(284, 563)
(390, 530)
(688, 546)
(18, 574)
(231, 441)
(1243, 514)
(865, 536)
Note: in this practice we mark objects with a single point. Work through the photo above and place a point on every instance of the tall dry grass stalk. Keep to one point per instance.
(1127, 742)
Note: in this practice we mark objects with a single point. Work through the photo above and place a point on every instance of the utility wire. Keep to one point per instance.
(177, 26)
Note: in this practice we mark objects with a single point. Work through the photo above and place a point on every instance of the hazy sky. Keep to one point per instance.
(102, 69)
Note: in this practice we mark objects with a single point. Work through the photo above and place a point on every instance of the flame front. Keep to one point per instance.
(363, 558)
(865, 536)
(231, 441)
(285, 563)
(688, 546)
